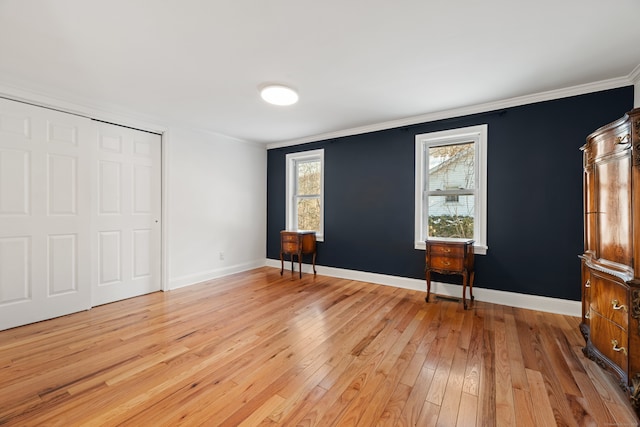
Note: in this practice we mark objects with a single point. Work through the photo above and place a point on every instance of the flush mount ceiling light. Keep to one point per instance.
(279, 95)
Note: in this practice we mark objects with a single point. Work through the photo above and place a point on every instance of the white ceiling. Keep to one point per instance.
(355, 63)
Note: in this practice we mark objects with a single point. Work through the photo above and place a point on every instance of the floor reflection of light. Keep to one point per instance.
(310, 321)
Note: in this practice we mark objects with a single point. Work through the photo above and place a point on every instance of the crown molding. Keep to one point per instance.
(473, 109)
(634, 76)
(104, 112)
(132, 119)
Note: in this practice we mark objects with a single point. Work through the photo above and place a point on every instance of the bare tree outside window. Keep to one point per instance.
(451, 200)
(305, 187)
(308, 189)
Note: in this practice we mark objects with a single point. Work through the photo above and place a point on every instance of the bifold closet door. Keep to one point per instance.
(79, 213)
(45, 213)
(126, 223)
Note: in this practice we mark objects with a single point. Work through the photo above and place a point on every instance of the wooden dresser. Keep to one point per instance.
(450, 256)
(297, 243)
(611, 259)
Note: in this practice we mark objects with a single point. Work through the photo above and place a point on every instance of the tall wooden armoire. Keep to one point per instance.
(611, 259)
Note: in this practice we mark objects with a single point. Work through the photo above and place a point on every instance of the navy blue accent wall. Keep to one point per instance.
(534, 188)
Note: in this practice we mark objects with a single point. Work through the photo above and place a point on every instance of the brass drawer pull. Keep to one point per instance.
(616, 348)
(447, 250)
(446, 263)
(588, 284)
(616, 306)
(622, 139)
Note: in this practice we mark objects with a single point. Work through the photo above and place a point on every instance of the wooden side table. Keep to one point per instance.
(450, 256)
(300, 242)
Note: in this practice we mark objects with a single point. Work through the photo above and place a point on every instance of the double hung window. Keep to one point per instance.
(305, 192)
(450, 185)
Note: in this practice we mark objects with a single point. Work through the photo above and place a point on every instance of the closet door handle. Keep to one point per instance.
(588, 284)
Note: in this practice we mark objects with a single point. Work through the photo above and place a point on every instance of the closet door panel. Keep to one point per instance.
(45, 200)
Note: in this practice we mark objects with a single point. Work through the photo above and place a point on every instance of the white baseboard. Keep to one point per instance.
(192, 279)
(531, 302)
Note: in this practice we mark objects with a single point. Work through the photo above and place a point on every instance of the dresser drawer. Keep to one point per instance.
(289, 238)
(443, 262)
(610, 299)
(290, 247)
(289, 242)
(610, 339)
(447, 250)
(602, 145)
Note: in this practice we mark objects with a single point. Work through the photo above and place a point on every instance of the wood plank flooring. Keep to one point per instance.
(258, 349)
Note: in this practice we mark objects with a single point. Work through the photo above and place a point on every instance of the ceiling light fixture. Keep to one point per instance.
(279, 95)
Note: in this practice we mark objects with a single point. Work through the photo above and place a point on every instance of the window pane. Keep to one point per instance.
(452, 199)
(309, 214)
(451, 219)
(308, 178)
(451, 167)
(304, 206)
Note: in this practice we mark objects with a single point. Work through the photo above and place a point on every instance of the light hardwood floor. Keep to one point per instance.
(258, 349)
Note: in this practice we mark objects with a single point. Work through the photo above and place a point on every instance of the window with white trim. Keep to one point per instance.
(305, 192)
(451, 185)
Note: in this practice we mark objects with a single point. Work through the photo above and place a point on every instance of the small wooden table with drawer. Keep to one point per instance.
(299, 242)
(450, 256)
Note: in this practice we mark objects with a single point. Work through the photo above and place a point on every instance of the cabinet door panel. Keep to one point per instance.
(590, 209)
(613, 185)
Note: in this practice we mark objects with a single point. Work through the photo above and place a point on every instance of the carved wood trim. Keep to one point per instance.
(636, 143)
(635, 391)
(590, 353)
(635, 306)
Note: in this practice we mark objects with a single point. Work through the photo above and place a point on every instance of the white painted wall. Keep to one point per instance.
(216, 189)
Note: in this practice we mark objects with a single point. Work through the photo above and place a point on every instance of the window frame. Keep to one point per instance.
(291, 219)
(451, 198)
(477, 134)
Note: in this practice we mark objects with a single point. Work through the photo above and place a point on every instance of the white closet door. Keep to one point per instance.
(45, 213)
(126, 219)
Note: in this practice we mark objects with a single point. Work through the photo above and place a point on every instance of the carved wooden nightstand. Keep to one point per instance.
(297, 243)
(450, 256)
